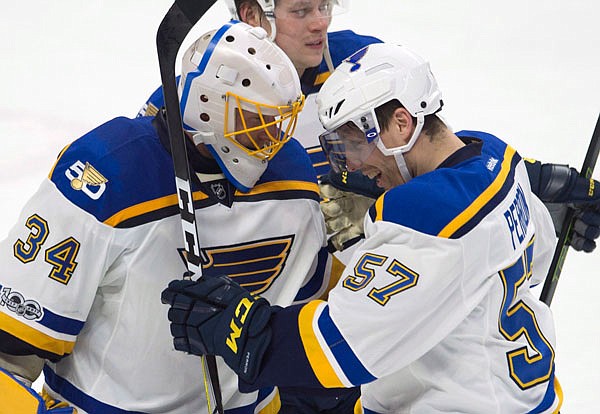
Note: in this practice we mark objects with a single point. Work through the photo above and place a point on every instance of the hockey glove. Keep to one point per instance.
(353, 182)
(17, 397)
(216, 316)
(561, 187)
(344, 211)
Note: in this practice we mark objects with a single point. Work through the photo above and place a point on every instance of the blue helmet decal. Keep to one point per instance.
(356, 57)
(203, 63)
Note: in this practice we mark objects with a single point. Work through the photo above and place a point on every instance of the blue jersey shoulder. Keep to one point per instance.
(116, 166)
(344, 43)
(450, 201)
(291, 163)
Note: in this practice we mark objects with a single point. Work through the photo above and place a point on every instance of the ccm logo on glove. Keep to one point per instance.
(239, 317)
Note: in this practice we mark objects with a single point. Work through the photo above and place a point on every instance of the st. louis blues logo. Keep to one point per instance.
(356, 57)
(255, 265)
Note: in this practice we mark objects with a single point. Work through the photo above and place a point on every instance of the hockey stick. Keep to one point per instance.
(562, 246)
(173, 29)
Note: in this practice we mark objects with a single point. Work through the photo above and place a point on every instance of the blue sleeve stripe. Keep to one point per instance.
(61, 324)
(354, 370)
(317, 352)
(75, 396)
(314, 285)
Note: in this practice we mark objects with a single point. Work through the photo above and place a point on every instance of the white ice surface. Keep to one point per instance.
(524, 70)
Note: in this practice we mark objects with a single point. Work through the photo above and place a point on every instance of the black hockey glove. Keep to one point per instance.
(560, 187)
(216, 316)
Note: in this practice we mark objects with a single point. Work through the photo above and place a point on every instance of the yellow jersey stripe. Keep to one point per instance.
(35, 338)
(56, 162)
(316, 357)
(280, 186)
(321, 78)
(468, 213)
(148, 206)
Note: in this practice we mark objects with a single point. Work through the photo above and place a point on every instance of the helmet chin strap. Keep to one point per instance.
(398, 152)
(327, 54)
(401, 163)
(273, 31)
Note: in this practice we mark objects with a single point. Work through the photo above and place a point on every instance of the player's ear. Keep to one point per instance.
(250, 13)
(402, 124)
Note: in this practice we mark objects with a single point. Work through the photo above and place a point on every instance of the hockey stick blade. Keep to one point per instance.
(173, 29)
(562, 246)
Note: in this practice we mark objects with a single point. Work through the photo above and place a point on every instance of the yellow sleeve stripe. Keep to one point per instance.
(35, 338)
(280, 186)
(148, 206)
(319, 362)
(379, 208)
(16, 397)
(468, 213)
(559, 395)
(337, 269)
(56, 162)
(270, 405)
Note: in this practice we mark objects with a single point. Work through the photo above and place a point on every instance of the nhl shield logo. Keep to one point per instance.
(218, 190)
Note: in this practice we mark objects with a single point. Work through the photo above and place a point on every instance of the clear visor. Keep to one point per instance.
(259, 129)
(348, 146)
(305, 9)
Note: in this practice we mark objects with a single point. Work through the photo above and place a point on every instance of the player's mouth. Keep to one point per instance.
(316, 44)
(374, 175)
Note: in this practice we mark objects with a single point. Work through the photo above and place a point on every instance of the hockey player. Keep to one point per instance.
(434, 312)
(300, 29)
(84, 265)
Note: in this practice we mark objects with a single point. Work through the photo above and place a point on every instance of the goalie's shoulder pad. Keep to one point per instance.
(116, 166)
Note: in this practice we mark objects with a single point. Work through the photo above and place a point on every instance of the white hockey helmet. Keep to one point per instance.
(236, 76)
(369, 78)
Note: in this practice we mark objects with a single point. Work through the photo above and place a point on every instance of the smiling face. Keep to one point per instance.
(302, 30)
(368, 159)
(380, 167)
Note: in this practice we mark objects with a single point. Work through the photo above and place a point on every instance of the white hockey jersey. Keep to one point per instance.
(84, 267)
(434, 312)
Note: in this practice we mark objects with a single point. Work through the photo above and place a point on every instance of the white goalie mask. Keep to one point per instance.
(240, 96)
(364, 81)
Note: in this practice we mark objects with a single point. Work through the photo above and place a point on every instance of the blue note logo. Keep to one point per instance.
(87, 179)
(356, 57)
